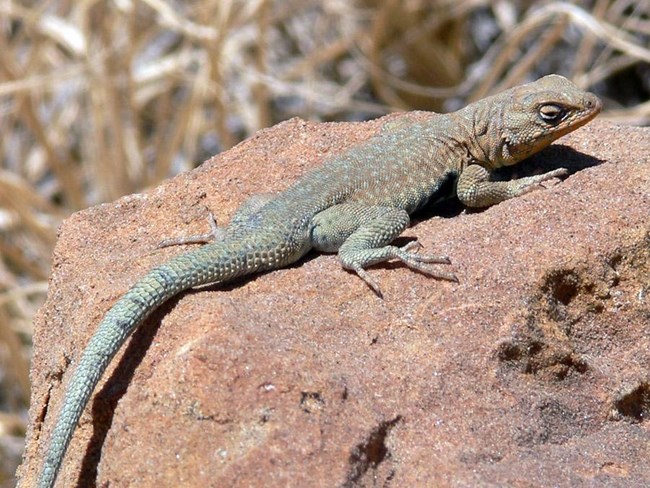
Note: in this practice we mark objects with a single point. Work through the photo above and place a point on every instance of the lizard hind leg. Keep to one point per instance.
(363, 233)
(216, 233)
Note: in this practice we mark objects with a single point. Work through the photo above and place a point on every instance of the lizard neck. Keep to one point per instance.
(479, 124)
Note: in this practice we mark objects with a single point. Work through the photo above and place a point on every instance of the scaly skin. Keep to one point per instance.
(357, 203)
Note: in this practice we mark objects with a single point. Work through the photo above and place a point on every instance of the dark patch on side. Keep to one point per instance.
(444, 203)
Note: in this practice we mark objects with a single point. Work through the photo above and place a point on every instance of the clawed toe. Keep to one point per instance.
(427, 270)
(536, 181)
(411, 246)
(215, 234)
(370, 281)
(405, 255)
(558, 172)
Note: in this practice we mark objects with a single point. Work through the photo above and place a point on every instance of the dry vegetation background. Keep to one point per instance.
(100, 98)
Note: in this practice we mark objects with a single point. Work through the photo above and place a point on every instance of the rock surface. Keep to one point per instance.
(534, 370)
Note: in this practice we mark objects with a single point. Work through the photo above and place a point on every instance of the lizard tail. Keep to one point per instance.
(212, 263)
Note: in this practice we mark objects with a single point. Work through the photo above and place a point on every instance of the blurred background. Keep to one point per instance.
(101, 98)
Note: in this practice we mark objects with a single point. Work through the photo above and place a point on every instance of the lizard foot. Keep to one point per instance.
(417, 261)
(370, 281)
(214, 235)
(531, 183)
(412, 260)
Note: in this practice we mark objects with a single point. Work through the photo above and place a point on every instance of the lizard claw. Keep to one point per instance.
(535, 182)
(410, 259)
(370, 281)
(556, 173)
(417, 261)
(405, 252)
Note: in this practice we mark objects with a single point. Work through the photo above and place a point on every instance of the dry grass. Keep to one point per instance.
(103, 98)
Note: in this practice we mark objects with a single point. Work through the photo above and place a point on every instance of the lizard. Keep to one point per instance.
(356, 204)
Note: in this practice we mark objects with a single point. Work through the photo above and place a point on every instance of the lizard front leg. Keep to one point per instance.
(362, 235)
(476, 190)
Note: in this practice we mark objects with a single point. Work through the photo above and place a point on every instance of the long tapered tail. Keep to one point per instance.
(211, 263)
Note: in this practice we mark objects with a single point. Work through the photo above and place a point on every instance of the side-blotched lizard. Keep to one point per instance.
(355, 204)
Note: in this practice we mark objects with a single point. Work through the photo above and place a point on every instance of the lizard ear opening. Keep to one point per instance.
(552, 113)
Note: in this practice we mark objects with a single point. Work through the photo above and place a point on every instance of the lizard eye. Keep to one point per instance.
(551, 113)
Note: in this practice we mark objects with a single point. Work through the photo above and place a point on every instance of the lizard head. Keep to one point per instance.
(527, 118)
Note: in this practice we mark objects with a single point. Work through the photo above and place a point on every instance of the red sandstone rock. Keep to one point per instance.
(532, 371)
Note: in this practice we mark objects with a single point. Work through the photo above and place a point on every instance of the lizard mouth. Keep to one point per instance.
(590, 107)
